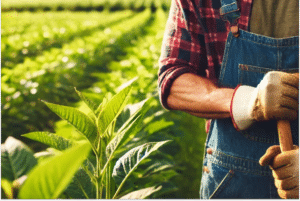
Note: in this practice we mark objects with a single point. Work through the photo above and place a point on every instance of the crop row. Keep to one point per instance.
(54, 74)
(26, 35)
(77, 5)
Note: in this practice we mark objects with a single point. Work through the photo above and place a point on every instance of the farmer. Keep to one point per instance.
(234, 62)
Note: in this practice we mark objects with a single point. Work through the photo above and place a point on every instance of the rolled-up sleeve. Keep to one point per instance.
(183, 47)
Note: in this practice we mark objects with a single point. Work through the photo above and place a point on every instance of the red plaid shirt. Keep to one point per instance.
(194, 41)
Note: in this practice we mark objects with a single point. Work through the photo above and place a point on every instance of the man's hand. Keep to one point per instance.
(276, 97)
(285, 169)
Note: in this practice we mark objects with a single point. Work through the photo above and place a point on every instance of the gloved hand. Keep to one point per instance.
(276, 97)
(285, 169)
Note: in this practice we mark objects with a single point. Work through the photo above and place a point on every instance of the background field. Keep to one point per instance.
(77, 5)
(50, 47)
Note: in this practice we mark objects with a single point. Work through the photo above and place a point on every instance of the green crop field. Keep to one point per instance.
(76, 5)
(49, 49)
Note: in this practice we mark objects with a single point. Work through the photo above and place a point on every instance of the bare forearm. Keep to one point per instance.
(200, 97)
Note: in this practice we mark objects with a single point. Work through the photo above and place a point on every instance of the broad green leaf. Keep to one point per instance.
(130, 161)
(16, 159)
(158, 166)
(155, 126)
(50, 139)
(78, 119)
(122, 118)
(87, 101)
(81, 186)
(44, 155)
(118, 140)
(102, 105)
(142, 193)
(164, 175)
(112, 109)
(167, 189)
(49, 179)
(141, 107)
(6, 186)
(129, 128)
(126, 84)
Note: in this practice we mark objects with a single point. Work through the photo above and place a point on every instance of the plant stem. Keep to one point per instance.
(107, 184)
(107, 167)
(98, 171)
(97, 178)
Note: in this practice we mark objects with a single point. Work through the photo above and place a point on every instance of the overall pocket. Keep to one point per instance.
(252, 75)
(222, 183)
(214, 184)
(223, 187)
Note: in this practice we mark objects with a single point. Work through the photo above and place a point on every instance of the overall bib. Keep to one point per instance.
(233, 168)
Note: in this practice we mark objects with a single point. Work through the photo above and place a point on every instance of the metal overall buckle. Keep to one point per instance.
(233, 24)
(235, 30)
(231, 13)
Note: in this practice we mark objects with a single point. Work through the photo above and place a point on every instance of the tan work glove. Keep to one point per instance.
(285, 169)
(276, 97)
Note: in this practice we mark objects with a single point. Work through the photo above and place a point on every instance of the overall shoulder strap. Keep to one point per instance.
(230, 11)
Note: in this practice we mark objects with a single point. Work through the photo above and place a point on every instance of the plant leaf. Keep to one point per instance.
(81, 186)
(16, 159)
(50, 139)
(6, 186)
(112, 109)
(49, 179)
(155, 126)
(129, 128)
(158, 166)
(87, 101)
(126, 84)
(142, 107)
(129, 162)
(142, 193)
(102, 105)
(78, 119)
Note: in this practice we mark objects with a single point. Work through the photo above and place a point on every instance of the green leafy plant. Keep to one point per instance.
(73, 169)
(96, 56)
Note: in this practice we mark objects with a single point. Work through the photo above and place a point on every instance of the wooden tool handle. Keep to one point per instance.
(285, 135)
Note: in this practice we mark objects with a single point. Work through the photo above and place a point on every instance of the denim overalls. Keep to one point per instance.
(232, 168)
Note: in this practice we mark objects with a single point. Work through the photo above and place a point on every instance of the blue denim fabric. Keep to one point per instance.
(234, 171)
